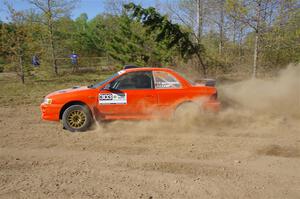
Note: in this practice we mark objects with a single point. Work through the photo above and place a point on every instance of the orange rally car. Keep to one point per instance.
(132, 93)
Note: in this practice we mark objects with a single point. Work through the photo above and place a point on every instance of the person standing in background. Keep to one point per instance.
(35, 61)
(74, 61)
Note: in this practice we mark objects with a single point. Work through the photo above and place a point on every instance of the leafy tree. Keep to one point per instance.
(281, 45)
(125, 41)
(2, 43)
(52, 10)
(126, 45)
(17, 38)
(170, 33)
(101, 30)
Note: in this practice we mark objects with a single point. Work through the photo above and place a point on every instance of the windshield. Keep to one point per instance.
(103, 82)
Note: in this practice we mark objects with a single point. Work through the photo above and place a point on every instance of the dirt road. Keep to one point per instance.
(160, 160)
(239, 153)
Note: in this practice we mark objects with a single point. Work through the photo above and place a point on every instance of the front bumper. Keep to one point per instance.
(50, 111)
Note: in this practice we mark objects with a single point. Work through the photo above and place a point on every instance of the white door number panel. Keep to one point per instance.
(113, 98)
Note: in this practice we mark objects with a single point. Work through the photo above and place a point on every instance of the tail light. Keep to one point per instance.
(214, 96)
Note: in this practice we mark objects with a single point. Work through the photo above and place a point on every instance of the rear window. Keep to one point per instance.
(187, 78)
(164, 80)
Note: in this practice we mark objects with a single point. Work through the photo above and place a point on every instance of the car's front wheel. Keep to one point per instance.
(77, 118)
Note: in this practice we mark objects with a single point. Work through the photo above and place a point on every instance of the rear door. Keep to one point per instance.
(169, 90)
(132, 95)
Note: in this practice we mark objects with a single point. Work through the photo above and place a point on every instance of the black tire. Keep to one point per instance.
(186, 111)
(77, 118)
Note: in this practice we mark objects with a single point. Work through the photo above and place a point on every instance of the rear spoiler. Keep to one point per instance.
(206, 82)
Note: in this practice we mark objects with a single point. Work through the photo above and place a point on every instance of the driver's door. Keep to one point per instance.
(131, 96)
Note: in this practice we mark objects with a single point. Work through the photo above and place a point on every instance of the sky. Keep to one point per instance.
(91, 7)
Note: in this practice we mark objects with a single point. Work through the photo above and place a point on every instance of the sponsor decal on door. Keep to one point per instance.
(113, 98)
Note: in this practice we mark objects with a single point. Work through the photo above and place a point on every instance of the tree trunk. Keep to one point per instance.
(199, 34)
(240, 47)
(199, 20)
(234, 31)
(204, 69)
(221, 43)
(257, 34)
(22, 75)
(221, 28)
(52, 45)
(255, 55)
(54, 64)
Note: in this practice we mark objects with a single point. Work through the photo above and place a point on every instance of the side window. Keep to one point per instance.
(133, 80)
(164, 80)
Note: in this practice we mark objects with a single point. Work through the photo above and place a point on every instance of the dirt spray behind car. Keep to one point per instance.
(254, 105)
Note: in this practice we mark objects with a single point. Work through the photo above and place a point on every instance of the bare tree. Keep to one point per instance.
(221, 26)
(115, 7)
(254, 15)
(52, 10)
(216, 20)
(191, 13)
(200, 13)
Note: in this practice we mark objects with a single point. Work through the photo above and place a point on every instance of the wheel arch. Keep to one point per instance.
(67, 105)
(183, 102)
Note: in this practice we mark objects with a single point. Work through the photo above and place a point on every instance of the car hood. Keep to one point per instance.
(74, 89)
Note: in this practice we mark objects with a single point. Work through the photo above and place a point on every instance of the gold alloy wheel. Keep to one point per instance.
(76, 119)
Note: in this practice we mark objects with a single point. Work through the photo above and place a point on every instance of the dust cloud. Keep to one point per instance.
(280, 96)
(251, 105)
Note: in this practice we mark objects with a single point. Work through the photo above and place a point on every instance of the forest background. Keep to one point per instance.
(208, 38)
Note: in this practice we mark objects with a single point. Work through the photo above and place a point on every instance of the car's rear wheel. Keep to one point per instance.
(77, 118)
(187, 111)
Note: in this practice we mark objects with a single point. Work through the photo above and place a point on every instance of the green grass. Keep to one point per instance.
(13, 92)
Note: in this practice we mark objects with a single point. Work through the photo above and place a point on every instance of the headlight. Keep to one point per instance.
(47, 101)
